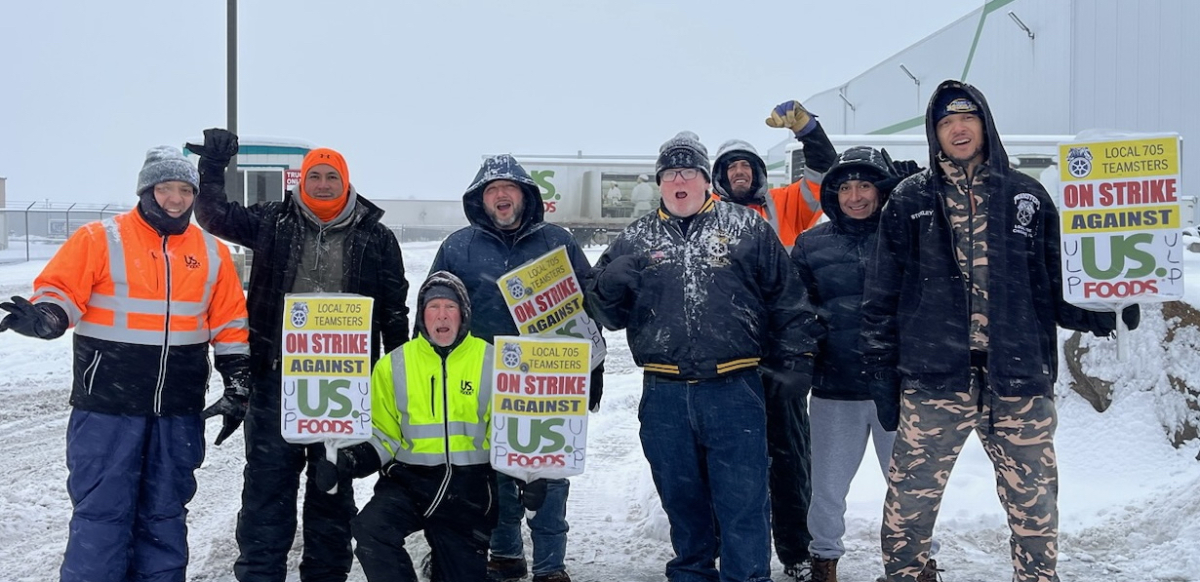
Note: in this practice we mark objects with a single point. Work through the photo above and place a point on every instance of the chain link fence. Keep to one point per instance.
(35, 230)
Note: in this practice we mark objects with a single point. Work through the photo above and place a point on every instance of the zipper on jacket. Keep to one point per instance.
(166, 346)
(89, 373)
(445, 485)
(941, 202)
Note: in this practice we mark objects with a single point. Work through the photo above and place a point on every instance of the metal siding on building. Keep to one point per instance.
(1135, 68)
(1121, 64)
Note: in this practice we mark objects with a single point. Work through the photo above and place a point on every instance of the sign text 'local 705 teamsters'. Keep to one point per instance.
(540, 406)
(326, 368)
(545, 299)
(1121, 220)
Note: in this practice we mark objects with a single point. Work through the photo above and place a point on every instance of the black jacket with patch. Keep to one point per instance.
(715, 300)
(915, 304)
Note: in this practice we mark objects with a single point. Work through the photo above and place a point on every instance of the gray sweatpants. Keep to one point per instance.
(839, 431)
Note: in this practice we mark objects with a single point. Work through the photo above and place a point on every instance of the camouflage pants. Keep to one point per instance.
(1018, 435)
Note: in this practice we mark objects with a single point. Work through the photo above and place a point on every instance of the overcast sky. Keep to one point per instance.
(413, 93)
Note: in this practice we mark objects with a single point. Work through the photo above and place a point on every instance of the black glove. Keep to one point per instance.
(897, 171)
(354, 462)
(235, 372)
(623, 274)
(43, 320)
(219, 147)
(885, 391)
(1104, 323)
(1132, 315)
(532, 494)
(596, 388)
(788, 381)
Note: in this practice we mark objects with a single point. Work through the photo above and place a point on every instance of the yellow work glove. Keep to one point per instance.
(792, 115)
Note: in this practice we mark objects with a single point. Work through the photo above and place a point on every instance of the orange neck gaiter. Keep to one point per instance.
(326, 210)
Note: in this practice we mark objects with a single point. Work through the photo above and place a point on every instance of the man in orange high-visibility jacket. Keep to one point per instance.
(740, 175)
(147, 293)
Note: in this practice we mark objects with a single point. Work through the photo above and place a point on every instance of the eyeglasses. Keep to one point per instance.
(687, 174)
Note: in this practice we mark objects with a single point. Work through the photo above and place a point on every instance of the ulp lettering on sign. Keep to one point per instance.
(326, 369)
(1121, 221)
(539, 407)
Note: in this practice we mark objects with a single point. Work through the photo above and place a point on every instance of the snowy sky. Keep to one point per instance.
(414, 93)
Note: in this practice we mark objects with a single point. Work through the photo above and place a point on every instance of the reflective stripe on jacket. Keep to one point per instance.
(145, 307)
(434, 411)
(792, 209)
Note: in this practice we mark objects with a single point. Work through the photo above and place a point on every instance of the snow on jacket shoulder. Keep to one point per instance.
(480, 253)
(716, 300)
(145, 308)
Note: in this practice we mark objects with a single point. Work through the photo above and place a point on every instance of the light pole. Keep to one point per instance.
(231, 90)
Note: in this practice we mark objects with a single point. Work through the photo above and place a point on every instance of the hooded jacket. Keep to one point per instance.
(277, 232)
(915, 303)
(832, 259)
(789, 210)
(480, 253)
(431, 405)
(716, 300)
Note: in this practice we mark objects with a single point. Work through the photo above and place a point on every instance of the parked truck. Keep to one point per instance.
(597, 196)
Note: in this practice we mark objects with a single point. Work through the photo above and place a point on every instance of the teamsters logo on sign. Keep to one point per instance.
(1121, 220)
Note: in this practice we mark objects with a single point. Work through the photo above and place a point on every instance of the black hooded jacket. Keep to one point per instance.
(480, 253)
(915, 303)
(832, 259)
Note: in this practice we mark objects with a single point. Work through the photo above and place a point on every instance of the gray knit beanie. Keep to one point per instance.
(164, 164)
(682, 151)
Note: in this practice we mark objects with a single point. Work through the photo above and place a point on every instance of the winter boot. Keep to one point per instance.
(824, 570)
(931, 573)
(506, 569)
(559, 576)
(801, 572)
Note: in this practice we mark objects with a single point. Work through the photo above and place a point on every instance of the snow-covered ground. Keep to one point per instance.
(1130, 503)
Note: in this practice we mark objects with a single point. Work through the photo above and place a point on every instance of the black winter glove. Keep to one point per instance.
(885, 391)
(532, 494)
(596, 388)
(219, 147)
(43, 320)
(898, 171)
(235, 372)
(789, 381)
(1132, 315)
(354, 462)
(623, 274)
(1104, 323)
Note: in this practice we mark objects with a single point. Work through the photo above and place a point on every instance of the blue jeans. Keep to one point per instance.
(706, 442)
(547, 527)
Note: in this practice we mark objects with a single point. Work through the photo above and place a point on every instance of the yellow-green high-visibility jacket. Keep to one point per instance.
(431, 411)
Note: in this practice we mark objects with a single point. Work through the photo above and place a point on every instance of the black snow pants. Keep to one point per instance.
(458, 529)
(790, 478)
(267, 522)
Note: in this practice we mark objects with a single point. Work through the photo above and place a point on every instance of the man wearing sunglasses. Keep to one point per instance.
(706, 293)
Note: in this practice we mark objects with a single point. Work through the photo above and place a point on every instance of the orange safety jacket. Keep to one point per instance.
(145, 308)
(792, 209)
